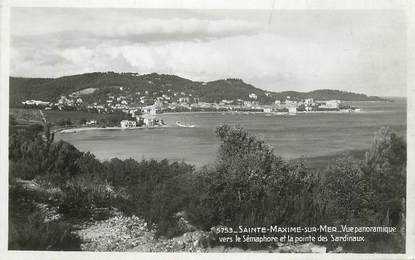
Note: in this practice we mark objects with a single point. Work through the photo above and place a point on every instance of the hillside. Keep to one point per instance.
(49, 89)
(330, 94)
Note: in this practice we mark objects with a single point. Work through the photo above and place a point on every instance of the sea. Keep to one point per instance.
(291, 136)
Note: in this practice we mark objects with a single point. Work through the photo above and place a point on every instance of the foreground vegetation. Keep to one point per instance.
(248, 185)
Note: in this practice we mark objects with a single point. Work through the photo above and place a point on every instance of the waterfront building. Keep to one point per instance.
(36, 103)
(128, 124)
(330, 104)
(333, 104)
(292, 110)
(91, 122)
(308, 101)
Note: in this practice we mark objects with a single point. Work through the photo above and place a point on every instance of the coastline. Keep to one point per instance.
(258, 112)
(83, 129)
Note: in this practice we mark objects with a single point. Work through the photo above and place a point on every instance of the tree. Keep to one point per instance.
(83, 121)
(251, 186)
(371, 192)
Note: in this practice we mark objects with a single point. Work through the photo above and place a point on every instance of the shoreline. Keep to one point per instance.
(261, 112)
(84, 129)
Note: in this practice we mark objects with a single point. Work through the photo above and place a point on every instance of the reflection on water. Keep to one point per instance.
(306, 135)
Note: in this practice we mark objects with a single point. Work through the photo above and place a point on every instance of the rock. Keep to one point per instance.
(196, 243)
(338, 249)
(318, 249)
(285, 249)
(178, 245)
(235, 250)
(217, 249)
(304, 248)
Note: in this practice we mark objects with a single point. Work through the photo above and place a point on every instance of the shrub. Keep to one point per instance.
(34, 234)
(27, 229)
(250, 186)
(371, 193)
(81, 196)
(157, 191)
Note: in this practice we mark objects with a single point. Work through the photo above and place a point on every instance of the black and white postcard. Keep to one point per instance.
(260, 129)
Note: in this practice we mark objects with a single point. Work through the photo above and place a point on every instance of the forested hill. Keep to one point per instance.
(329, 94)
(48, 89)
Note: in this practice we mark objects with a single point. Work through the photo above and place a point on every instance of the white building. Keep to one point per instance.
(292, 110)
(253, 96)
(128, 124)
(36, 103)
(184, 100)
(247, 104)
(291, 103)
(148, 121)
(331, 104)
(308, 101)
(151, 110)
(91, 122)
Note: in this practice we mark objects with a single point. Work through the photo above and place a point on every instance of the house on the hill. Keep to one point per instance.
(253, 96)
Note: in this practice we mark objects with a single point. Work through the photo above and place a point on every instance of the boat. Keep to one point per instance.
(182, 125)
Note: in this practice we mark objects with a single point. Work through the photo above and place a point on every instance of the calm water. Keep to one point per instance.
(306, 135)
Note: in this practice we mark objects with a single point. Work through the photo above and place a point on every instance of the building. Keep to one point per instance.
(308, 101)
(35, 103)
(291, 103)
(151, 110)
(91, 122)
(184, 99)
(166, 97)
(247, 104)
(253, 96)
(128, 124)
(148, 121)
(334, 104)
(225, 101)
(292, 110)
(330, 104)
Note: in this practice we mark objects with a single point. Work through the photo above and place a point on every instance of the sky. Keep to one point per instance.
(362, 51)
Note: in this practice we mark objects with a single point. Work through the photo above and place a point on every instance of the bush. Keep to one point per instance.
(27, 229)
(250, 186)
(371, 193)
(157, 191)
(34, 234)
(81, 196)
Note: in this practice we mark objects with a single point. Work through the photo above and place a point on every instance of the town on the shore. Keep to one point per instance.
(142, 108)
